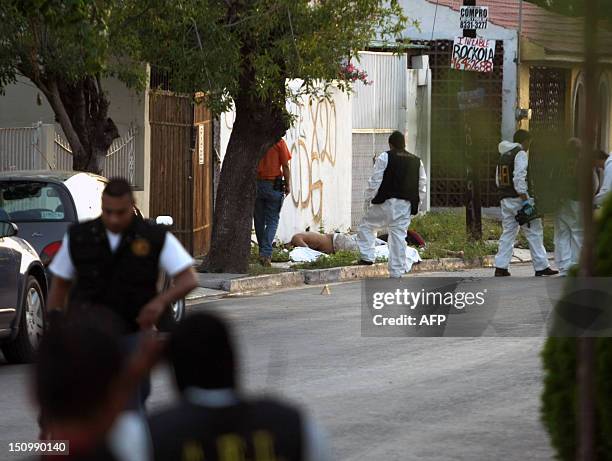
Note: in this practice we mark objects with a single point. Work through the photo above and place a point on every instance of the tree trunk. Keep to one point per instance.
(81, 109)
(257, 127)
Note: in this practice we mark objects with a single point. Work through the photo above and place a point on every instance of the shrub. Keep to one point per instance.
(559, 397)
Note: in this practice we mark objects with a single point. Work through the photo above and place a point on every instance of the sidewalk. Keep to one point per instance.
(216, 286)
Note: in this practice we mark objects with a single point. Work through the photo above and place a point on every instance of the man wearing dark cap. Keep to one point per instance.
(214, 420)
(395, 191)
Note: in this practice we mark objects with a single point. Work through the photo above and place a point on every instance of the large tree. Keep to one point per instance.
(66, 48)
(245, 52)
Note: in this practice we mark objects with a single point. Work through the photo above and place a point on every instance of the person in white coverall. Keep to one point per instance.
(606, 182)
(395, 190)
(568, 222)
(512, 183)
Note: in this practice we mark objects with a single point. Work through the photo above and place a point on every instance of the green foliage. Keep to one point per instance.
(67, 40)
(559, 397)
(258, 269)
(338, 259)
(237, 49)
(549, 235)
(280, 255)
(444, 232)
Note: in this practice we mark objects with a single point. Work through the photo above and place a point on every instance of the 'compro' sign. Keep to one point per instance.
(473, 17)
(475, 54)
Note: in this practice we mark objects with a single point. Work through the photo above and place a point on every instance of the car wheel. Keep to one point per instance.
(173, 314)
(31, 325)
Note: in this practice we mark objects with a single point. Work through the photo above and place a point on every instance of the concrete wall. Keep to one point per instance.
(446, 27)
(23, 105)
(321, 148)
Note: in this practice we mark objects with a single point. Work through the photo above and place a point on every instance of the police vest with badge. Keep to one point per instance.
(400, 179)
(505, 184)
(124, 280)
(258, 430)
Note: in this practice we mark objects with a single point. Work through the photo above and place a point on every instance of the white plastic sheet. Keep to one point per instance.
(412, 255)
(304, 255)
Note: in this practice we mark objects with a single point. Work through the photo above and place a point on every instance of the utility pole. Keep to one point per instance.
(473, 204)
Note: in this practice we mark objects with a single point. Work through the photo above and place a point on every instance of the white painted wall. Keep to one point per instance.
(321, 148)
(447, 28)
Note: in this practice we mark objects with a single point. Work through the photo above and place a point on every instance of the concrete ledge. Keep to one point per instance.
(238, 284)
(263, 282)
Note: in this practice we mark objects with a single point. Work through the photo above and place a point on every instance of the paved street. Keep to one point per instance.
(378, 398)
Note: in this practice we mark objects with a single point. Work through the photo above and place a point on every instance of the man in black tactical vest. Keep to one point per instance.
(214, 420)
(513, 187)
(395, 191)
(114, 261)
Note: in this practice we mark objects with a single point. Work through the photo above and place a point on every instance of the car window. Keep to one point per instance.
(32, 201)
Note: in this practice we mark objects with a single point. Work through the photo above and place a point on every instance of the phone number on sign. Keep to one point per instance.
(55, 447)
(470, 64)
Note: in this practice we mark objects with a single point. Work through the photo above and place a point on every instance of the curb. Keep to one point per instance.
(263, 282)
(244, 285)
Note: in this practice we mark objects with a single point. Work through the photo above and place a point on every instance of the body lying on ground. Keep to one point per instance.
(330, 243)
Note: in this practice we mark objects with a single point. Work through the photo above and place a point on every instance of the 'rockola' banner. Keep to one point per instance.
(474, 54)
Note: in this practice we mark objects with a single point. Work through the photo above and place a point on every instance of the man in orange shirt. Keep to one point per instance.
(271, 191)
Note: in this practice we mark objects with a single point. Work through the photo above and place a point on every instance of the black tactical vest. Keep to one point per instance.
(260, 430)
(401, 179)
(505, 174)
(123, 281)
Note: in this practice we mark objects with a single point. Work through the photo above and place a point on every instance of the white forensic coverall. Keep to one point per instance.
(568, 235)
(606, 184)
(393, 215)
(533, 230)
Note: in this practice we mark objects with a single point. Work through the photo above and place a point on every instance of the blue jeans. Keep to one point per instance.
(137, 401)
(268, 205)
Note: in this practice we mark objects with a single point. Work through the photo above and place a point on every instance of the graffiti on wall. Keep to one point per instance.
(312, 142)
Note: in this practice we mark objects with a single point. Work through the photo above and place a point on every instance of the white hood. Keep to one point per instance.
(507, 146)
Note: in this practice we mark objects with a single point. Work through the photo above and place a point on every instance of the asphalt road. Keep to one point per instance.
(384, 398)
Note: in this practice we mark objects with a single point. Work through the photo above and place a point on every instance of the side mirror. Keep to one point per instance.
(8, 229)
(164, 220)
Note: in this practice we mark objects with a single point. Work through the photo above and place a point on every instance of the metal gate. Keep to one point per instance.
(181, 175)
(447, 136)
(547, 93)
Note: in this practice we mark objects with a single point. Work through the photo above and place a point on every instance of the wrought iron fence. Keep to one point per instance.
(120, 159)
(41, 147)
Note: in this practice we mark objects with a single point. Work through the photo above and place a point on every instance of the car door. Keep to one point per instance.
(10, 259)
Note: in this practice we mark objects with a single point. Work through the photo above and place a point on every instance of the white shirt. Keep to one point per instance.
(128, 438)
(606, 184)
(377, 176)
(173, 259)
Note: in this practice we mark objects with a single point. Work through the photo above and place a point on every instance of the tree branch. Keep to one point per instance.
(57, 104)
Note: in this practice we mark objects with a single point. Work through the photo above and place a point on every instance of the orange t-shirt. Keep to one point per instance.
(270, 165)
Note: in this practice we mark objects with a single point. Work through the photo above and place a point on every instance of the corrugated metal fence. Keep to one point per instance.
(20, 149)
(41, 147)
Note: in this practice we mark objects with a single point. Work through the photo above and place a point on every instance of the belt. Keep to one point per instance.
(269, 179)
